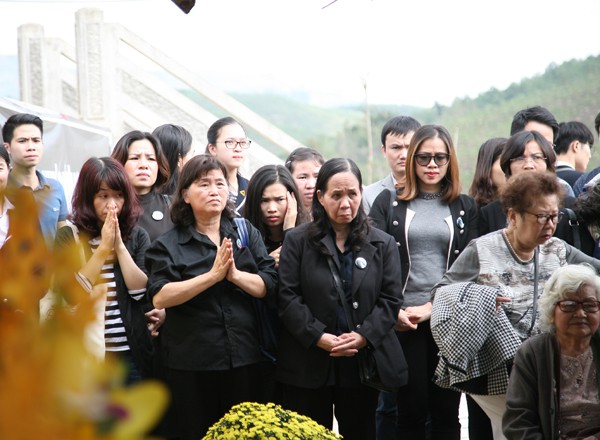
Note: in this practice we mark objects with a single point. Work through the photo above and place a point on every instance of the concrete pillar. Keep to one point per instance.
(32, 77)
(96, 47)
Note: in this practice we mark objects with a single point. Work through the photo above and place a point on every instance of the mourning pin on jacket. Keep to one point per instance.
(360, 262)
(157, 215)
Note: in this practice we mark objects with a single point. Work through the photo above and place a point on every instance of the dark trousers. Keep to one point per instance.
(421, 399)
(385, 416)
(201, 398)
(354, 408)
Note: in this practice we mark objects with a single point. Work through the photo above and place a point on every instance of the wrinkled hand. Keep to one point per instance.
(223, 260)
(404, 322)
(500, 300)
(348, 344)
(291, 213)
(275, 254)
(155, 318)
(327, 342)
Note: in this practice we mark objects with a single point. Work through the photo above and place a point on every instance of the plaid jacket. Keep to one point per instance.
(476, 343)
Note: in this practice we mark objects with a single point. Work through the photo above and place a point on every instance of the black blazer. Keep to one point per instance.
(308, 306)
(389, 215)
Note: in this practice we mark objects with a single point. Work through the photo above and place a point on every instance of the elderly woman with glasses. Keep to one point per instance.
(529, 151)
(432, 222)
(486, 304)
(553, 390)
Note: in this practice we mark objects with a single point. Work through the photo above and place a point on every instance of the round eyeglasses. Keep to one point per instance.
(424, 159)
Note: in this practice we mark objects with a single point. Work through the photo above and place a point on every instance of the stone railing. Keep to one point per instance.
(114, 79)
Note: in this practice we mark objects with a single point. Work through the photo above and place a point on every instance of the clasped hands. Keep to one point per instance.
(409, 318)
(224, 266)
(346, 344)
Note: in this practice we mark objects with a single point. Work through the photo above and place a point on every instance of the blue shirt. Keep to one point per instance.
(52, 204)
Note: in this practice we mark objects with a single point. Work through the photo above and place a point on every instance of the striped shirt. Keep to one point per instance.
(115, 336)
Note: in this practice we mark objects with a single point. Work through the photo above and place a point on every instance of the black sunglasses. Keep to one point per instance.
(424, 159)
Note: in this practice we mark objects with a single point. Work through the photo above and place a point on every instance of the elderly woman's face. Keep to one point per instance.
(341, 200)
(532, 159)
(530, 230)
(577, 324)
(208, 194)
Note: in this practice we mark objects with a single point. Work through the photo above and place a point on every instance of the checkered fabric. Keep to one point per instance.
(474, 340)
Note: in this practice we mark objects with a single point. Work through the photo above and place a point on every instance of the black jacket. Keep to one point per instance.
(308, 306)
(391, 215)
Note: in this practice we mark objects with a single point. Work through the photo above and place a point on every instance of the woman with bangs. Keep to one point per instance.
(432, 222)
(105, 211)
(208, 277)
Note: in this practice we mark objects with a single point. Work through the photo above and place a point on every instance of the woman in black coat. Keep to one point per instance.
(318, 348)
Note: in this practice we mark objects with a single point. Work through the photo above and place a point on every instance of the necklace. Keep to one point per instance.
(430, 196)
(519, 259)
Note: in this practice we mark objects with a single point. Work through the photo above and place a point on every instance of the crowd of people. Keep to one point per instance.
(375, 304)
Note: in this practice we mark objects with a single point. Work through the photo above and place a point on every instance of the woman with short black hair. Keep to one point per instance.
(207, 277)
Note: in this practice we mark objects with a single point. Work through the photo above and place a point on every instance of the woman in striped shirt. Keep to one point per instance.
(105, 211)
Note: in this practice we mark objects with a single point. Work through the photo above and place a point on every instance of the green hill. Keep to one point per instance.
(569, 90)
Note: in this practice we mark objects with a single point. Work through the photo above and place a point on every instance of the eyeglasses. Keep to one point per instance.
(424, 159)
(542, 219)
(231, 143)
(535, 158)
(570, 306)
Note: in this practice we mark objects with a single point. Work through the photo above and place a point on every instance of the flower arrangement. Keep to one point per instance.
(255, 421)
(53, 388)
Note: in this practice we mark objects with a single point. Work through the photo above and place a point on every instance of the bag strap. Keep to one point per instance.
(574, 224)
(338, 286)
(242, 230)
(75, 232)
(536, 275)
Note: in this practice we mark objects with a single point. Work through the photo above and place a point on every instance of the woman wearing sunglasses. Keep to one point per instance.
(432, 223)
(553, 392)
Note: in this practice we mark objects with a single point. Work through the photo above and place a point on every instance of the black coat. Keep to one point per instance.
(308, 306)
(390, 216)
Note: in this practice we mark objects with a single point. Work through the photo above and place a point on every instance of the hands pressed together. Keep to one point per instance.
(224, 265)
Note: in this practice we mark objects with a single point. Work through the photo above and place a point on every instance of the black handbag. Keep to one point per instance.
(367, 357)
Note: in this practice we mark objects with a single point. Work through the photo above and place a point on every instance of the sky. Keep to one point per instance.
(416, 52)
